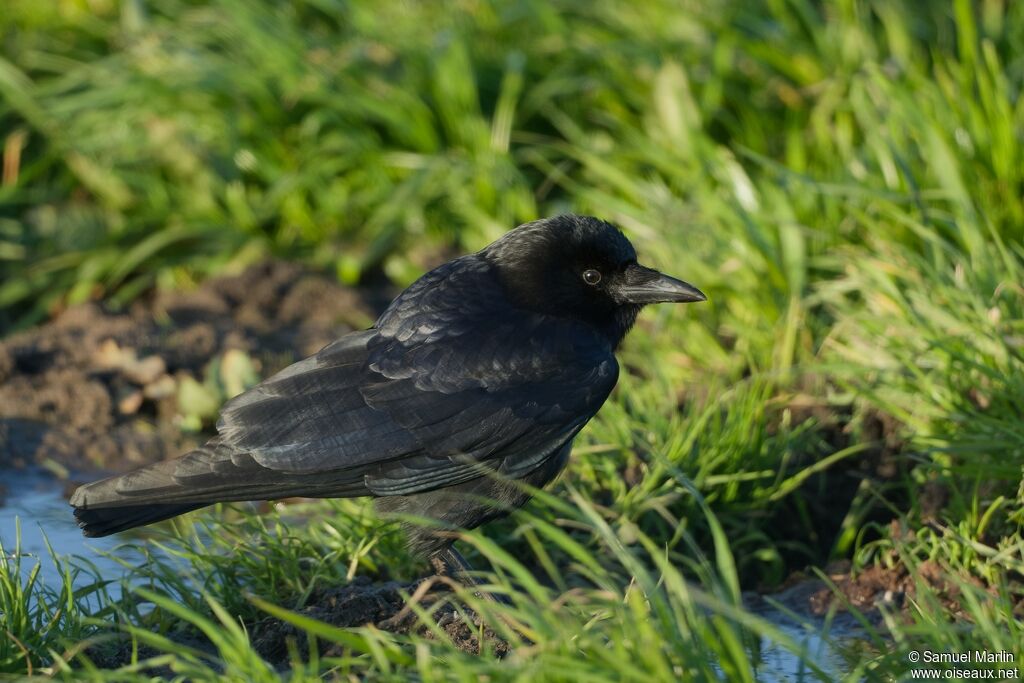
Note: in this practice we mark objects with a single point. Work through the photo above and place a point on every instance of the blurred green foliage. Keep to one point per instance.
(152, 142)
(226, 376)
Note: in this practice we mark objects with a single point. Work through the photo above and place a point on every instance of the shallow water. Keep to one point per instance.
(35, 499)
(34, 502)
(778, 665)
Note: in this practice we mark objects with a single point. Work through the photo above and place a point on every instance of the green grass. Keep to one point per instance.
(40, 621)
(844, 179)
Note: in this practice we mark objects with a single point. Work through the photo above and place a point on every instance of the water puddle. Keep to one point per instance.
(33, 502)
(824, 647)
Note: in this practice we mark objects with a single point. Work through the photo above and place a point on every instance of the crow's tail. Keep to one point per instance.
(96, 522)
(210, 474)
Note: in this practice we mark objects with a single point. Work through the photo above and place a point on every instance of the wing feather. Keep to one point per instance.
(442, 389)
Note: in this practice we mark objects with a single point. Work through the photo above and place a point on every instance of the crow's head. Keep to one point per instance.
(583, 268)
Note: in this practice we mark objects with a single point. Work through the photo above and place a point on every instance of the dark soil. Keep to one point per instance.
(360, 603)
(870, 590)
(817, 513)
(96, 389)
(363, 602)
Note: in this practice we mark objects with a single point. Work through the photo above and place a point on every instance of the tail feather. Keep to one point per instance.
(212, 473)
(96, 522)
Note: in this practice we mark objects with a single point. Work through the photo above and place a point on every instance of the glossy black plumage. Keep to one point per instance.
(480, 374)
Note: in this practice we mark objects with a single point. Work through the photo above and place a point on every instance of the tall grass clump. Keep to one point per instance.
(42, 624)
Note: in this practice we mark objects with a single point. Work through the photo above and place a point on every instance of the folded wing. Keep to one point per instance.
(442, 390)
(439, 392)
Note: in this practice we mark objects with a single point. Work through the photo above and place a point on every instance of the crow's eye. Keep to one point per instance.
(591, 276)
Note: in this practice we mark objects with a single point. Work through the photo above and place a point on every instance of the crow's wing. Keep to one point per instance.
(452, 380)
(311, 416)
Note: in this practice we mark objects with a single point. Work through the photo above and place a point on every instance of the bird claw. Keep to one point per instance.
(450, 563)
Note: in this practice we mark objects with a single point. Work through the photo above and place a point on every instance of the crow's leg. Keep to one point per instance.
(450, 562)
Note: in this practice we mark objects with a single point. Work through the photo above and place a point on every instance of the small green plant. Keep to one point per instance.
(225, 377)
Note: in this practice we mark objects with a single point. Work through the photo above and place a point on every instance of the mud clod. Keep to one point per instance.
(95, 388)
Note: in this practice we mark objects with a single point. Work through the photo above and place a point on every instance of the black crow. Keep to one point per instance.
(478, 376)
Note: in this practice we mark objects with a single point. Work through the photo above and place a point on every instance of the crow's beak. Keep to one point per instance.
(642, 285)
